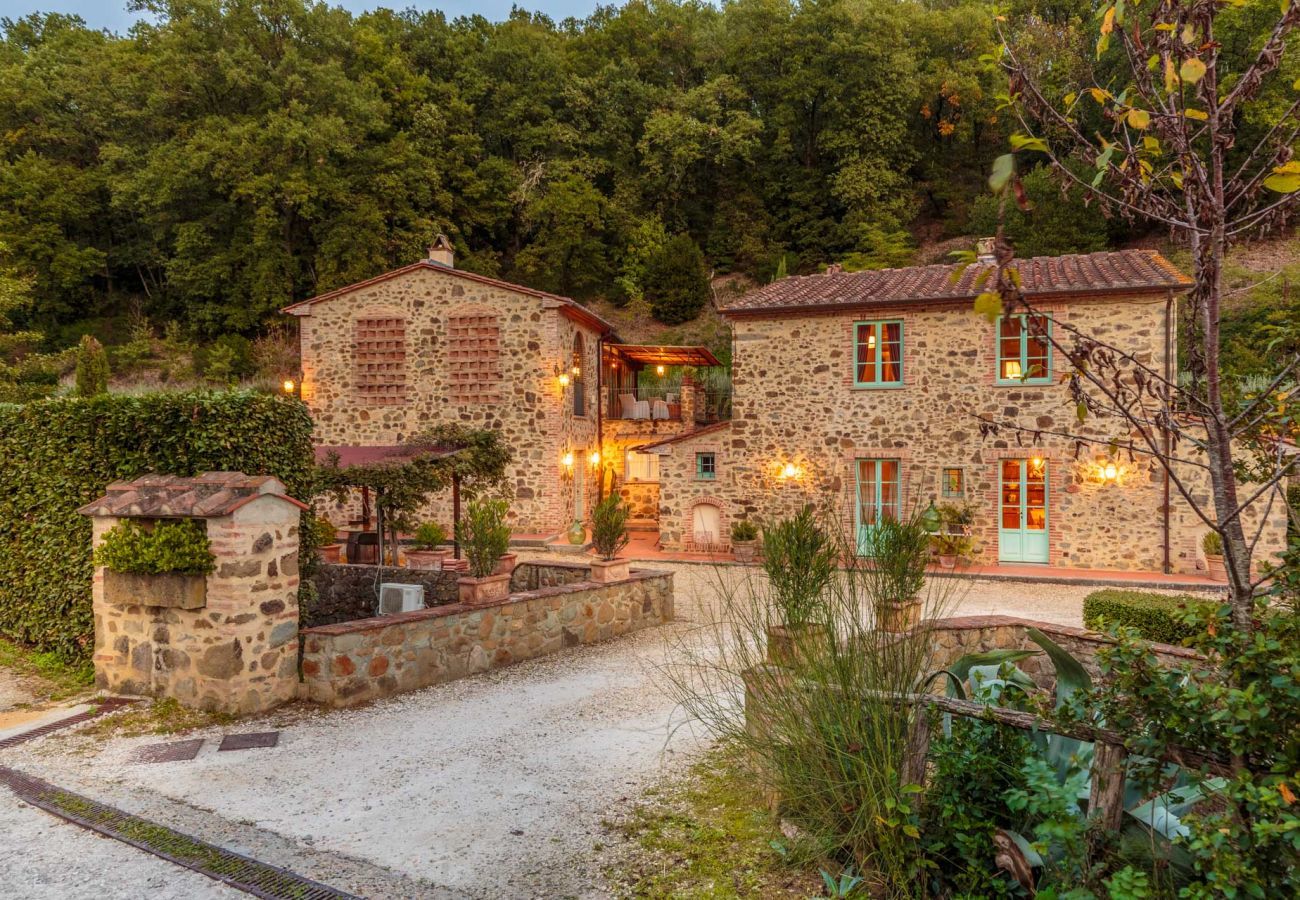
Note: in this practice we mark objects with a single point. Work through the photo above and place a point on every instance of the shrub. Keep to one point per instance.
(744, 530)
(900, 552)
(429, 536)
(179, 547)
(485, 535)
(61, 454)
(959, 514)
(1212, 544)
(1157, 617)
(323, 531)
(609, 526)
(92, 368)
(952, 544)
(676, 282)
(799, 559)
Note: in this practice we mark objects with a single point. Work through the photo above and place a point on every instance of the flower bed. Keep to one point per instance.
(348, 663)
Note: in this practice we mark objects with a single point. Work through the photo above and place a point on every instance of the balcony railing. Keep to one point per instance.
(644, 404)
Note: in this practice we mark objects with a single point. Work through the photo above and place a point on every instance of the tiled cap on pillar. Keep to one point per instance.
(205, 496)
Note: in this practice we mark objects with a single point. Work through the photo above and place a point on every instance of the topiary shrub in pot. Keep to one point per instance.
(608, 537)
(165, 565)
(325, 537)
(427, 550)
(744, 540)
(799, 559)
(900, 552)
(485, 537)
(1212, 544)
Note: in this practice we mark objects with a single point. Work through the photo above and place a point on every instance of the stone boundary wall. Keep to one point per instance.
(346, 592)
(532, 576)
(355, 662)
(953, 638)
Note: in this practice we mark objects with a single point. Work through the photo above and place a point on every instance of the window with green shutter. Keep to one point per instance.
(706, 466)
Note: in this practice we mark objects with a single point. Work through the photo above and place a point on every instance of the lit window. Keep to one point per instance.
(1024, 354)
(878, 349)
(954, 483)
(706, 466)
(642, 466)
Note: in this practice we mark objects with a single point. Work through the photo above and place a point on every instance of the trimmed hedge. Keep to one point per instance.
(60, 454)
(1155, 616)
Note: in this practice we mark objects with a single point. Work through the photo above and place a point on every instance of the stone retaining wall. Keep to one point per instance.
(345, 593)
(354, 662)
(955, 637)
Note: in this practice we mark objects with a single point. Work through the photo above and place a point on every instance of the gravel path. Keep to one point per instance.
(492, 786)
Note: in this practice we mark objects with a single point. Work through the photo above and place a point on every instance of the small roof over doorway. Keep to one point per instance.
(659, 355)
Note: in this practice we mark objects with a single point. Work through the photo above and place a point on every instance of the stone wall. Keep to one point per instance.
(795, 402)
(239, 652)
(347, 592)
(533, 342)
(353, 663)
(955, 637)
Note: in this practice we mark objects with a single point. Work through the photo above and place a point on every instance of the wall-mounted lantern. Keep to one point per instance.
(594, 459)
(790, 472)
(289, 386)
(659, 370)
(564, 379)
(567, 461)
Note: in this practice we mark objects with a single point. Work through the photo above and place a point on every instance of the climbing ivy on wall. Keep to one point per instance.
(58, 455)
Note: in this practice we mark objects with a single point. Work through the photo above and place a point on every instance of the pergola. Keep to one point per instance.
(641, 355)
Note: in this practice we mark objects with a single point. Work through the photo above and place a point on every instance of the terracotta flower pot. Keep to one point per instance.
(480, 591)
(331, 553)
(788, 644)
(605, 571)
(745, 551)
(426, 559)
(1217, 570)
(450, 564)
(947, 562)
(506, 563)
(898, 616)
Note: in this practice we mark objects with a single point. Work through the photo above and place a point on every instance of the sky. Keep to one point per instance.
(113, 14)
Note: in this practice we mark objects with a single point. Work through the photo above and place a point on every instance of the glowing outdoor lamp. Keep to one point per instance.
(789, 471)
(1110, 472)
(288, 386)
(564, 379)
(567, 459)
(659, 370)
(595, 457)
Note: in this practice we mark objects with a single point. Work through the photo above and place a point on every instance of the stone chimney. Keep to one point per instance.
(441, 252)
(834, 269)
(984, 251)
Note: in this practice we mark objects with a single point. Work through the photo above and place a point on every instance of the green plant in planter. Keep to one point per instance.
(952, 544)
(1212, 544)
(900, 554)
(744, 530)
(179, 548)
(799, 559)
(957, 515)
(485, 535)
(429, 536)
(323, 531)
(609, 527)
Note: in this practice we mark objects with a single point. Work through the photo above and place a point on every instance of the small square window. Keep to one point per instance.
(954, 483)
(706, 466)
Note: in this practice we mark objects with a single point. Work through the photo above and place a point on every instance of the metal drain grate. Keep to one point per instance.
(234, 869)
(106, 705)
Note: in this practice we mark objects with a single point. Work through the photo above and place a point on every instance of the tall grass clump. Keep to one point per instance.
(816, 725)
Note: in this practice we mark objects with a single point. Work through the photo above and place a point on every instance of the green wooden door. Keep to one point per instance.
(878, 498)
(1022, 531)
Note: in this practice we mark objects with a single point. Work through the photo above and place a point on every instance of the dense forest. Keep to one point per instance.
(236, 155)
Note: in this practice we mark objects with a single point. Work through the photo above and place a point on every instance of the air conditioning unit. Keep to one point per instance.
(400, 598)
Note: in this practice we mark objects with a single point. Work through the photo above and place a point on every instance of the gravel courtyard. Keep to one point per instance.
(493, 786)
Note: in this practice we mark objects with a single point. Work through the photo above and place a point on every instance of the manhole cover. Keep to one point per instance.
(250, 741)
(172, 752)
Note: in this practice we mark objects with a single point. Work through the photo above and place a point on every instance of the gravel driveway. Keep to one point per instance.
(493, 786)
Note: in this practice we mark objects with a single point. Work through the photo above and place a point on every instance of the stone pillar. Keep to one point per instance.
(690, 399)
(238, 651)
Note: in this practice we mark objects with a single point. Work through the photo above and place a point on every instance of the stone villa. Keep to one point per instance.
(863, 389)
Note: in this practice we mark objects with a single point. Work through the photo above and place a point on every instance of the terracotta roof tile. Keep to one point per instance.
(678, 438)
(205, 496)
(1120, 272)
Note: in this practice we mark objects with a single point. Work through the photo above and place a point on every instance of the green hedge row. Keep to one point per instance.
(1155, 616)
(57, 455)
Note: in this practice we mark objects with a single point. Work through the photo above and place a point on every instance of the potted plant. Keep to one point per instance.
(608, 537)
(325, 536)
(485, 537)
(799, 559)
(896, 576)
(957, 518)
(426, 551)
(744, 540)
(165, 565)
(950, 547)
(1212, 544)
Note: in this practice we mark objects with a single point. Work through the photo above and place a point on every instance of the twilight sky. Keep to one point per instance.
(113, 15)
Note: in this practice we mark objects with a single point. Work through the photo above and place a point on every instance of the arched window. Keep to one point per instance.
(579, 396)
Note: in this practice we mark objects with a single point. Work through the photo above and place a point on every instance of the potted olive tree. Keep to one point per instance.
(485, 537)
(1212, 544)
(744, 540)
(427, 550)
(951, 547)
(163, 565)
(608, 537)
(326, 539)
(896, 575)
(799, 559)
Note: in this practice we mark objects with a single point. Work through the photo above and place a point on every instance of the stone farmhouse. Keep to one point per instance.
(867, 388)
(860, 389)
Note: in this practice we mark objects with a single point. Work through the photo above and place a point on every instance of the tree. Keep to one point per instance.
(92, 368)
(1165, 152)
(676, 282)
(1055, 221)
(24, 374)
